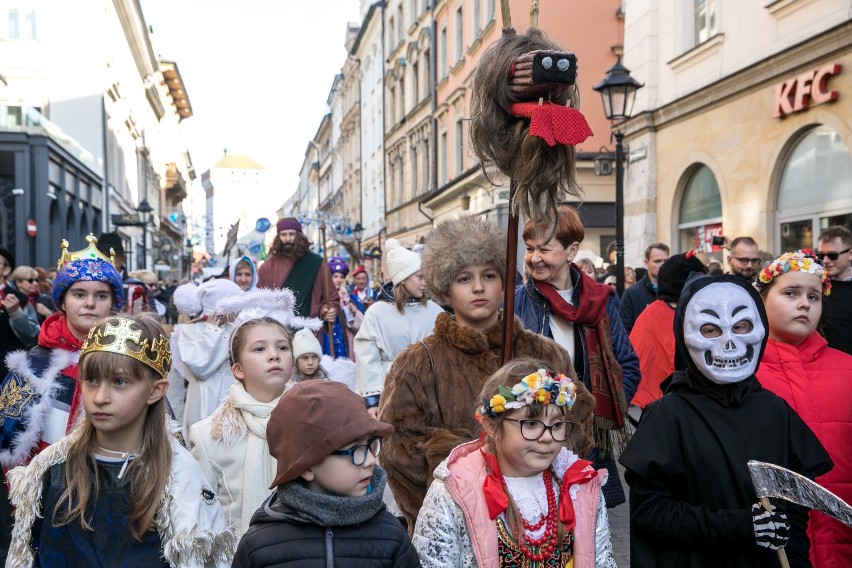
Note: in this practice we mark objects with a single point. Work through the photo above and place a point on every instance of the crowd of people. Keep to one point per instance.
(280, 415)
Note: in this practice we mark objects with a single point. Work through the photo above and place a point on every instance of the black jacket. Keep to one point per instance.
(634, 300)
(836, 323)
(278, 537)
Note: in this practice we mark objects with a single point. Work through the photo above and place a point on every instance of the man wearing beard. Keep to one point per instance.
(292, 265)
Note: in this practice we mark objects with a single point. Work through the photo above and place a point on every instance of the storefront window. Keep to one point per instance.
(701, 215)
(814, 192)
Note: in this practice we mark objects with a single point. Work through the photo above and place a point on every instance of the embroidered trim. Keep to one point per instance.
(45, 388)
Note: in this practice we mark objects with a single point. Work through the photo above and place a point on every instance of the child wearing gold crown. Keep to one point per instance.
(520, 495)
(40, 396)
(119, 489)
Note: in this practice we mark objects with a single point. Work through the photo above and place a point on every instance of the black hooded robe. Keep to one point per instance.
(690, 489)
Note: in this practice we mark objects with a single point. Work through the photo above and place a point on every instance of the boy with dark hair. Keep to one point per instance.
(327, 506)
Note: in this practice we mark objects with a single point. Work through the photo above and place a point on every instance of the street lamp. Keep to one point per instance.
(144, 209)
(358, 232)
(618, 91)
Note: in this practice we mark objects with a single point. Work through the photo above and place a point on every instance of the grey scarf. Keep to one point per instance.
(331, 510)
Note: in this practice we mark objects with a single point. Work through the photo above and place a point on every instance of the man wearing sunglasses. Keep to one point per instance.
(835, 252)
(744, 259)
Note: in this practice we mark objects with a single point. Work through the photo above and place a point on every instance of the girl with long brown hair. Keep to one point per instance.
(119, 486)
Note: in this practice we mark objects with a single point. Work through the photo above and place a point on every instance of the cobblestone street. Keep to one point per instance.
(619, 526)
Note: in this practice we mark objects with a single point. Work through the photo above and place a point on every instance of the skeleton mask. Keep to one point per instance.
(723, 332)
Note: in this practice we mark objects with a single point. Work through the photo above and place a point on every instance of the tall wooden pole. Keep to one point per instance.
(329, 325)
(509, 283)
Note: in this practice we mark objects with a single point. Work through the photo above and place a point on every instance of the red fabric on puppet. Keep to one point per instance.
(554, 123)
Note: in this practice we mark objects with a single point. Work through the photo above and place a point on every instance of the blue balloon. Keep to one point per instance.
(262, 225)
(254, 248)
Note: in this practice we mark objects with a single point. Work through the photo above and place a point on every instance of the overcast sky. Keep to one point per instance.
(258, 74)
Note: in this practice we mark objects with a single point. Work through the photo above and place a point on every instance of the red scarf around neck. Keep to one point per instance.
(603, 373)
(55, 334)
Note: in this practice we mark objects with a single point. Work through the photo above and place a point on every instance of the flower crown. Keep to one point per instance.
(804, 260)
(540, 387)
(161, 356)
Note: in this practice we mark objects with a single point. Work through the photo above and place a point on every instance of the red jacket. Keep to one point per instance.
(653, 340)
(816, 381)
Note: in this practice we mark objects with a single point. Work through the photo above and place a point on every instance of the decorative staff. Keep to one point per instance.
(524, 123)
(329, 326)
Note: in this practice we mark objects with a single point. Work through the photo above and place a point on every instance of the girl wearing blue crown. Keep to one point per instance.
(520, 496)
(40, 397)
(119, 490)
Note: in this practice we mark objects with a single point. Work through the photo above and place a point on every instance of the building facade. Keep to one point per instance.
(463, 32)
(745, 123)
(90, 128)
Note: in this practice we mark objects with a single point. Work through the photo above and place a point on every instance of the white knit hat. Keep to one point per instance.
(305, 342)
(402, 262)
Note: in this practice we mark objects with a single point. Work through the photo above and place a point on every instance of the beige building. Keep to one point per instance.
(744, 125)
(408, 118)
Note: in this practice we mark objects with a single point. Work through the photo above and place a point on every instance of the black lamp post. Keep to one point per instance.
(358, 232)
(618, 91)
(144, 209)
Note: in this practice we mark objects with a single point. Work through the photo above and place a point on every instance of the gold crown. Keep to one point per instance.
(90, 251)
(121, 334)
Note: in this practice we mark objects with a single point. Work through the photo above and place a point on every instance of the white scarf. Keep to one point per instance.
(259, 464)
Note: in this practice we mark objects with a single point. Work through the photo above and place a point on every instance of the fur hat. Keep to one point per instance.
(194, 300)
(461, 242)
(673, 274)
(305, 342)
(402, 262)
(289, 224)
(327, 415)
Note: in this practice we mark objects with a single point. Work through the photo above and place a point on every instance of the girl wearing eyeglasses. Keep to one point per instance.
(799, 367)
(520, 495)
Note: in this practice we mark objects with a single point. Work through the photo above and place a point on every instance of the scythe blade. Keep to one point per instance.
(774, 481)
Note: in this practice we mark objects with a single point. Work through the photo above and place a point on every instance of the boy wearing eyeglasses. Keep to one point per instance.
(327, 507)
(834, 250)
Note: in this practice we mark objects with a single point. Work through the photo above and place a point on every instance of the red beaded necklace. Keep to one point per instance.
(548, 521)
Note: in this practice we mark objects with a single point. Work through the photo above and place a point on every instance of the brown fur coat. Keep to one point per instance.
(433, 410)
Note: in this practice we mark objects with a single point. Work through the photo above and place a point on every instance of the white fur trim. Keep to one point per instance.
(341, 370)
(187, 300)
(34, 415)
(227, 424)
(25, 486)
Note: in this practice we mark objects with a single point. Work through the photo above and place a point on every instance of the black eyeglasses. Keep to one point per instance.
(358, 454)
(744, 260)
(31, 280)
(833, 255)
(532, 430)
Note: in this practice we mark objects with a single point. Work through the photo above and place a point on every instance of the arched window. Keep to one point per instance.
(701, 213)
(814, 188)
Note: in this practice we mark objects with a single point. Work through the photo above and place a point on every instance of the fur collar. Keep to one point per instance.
(42, 390)
(469, 340)
(227, 424)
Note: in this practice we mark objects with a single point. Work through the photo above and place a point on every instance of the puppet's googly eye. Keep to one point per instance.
(547, 62)
(563, 64)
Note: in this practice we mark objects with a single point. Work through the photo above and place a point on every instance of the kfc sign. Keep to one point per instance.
(798, 93)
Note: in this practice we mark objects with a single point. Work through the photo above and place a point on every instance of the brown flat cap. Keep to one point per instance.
(312, 420)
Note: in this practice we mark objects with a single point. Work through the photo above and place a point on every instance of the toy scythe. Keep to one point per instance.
(524, 123)
(774, 481)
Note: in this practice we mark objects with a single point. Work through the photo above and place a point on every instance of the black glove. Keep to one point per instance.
(771, 529)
